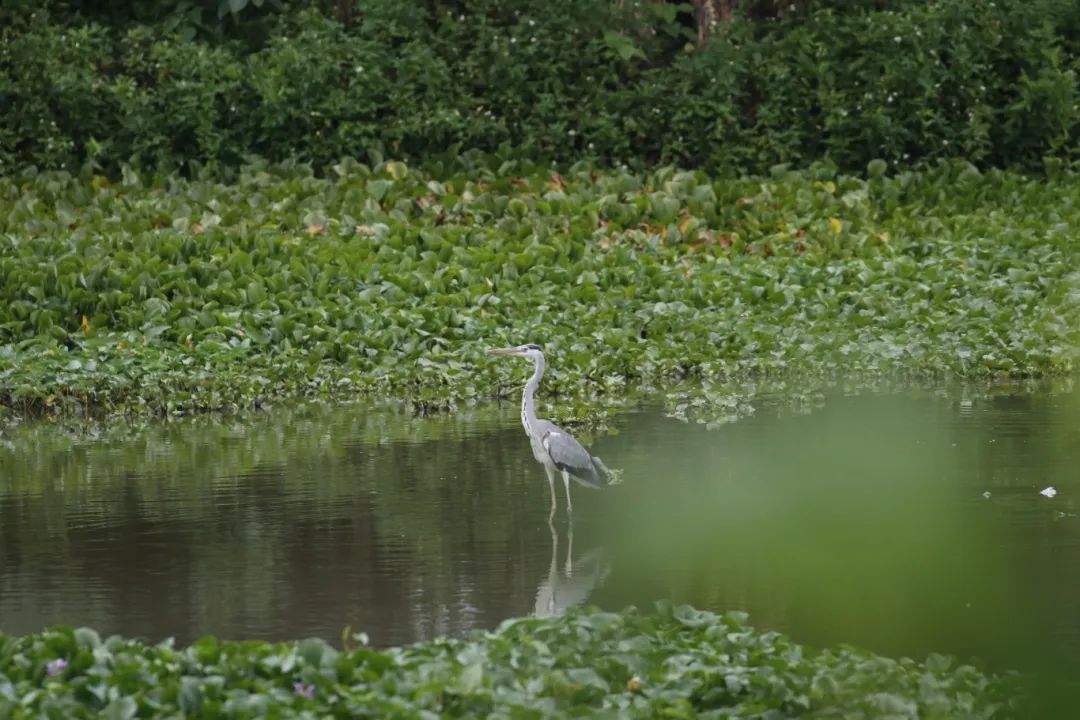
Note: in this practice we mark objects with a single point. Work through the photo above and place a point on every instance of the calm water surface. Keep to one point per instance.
(905, 523)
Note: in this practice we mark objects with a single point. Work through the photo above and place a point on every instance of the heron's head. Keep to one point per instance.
(530, 351)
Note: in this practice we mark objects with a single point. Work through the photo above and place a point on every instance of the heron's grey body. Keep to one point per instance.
(553, 447)
(551, 444)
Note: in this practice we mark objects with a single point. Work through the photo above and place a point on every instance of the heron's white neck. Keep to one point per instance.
(528, 402)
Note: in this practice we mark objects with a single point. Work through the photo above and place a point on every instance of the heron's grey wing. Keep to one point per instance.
(568, 454)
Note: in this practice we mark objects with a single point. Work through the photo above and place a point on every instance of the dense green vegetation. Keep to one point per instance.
(677, 663)
(179, 233)
(179, 85)
(170, 295)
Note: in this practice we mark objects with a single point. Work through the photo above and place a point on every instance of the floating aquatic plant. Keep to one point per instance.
(173, 296)
(675, 662)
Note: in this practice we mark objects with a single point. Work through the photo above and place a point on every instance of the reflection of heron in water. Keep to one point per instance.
(572, 586)
(553, 447)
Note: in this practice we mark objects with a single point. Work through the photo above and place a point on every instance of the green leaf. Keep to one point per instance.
(87, 638)
(122, 708)
(622, 46)
(472, 678)
(191, 696)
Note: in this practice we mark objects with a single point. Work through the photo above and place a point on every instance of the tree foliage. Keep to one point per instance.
(169, 85)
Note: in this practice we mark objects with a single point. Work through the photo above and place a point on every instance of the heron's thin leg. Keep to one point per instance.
(551, 485)
(566, 482)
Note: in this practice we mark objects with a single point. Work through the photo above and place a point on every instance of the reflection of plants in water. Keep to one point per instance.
(425, 512)
(869, 508)
(824, 523)
(191, 467)
(41, 457)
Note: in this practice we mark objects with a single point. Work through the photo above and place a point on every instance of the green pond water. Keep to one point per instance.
(906, 523)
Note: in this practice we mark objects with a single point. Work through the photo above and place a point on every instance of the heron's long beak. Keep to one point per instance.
(503, 351)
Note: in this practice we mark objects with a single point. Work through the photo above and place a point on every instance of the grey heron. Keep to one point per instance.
(553, 447)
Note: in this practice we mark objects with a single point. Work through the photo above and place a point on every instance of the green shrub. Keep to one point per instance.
(52, 94)
(994, 82)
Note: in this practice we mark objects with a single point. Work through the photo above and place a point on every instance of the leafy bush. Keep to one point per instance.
(678, 661)
(53, 96)
(994, 82)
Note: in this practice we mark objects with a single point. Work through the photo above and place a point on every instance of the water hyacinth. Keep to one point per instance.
(392, 282)
(675, 660)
